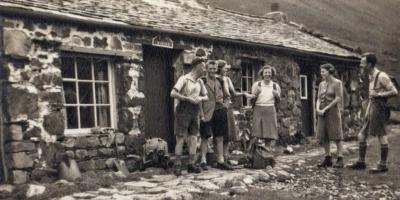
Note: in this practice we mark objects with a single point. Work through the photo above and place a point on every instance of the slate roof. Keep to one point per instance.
(187, 16)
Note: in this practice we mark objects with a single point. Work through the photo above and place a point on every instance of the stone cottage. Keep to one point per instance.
(91, 79)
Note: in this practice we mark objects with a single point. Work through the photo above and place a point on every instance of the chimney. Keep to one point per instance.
(276, 15)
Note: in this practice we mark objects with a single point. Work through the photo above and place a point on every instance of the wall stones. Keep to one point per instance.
(54, 123)
(21, 160)
(21, 102)
(100, 43)
(15, 147)
(19, 176)
(16, 43)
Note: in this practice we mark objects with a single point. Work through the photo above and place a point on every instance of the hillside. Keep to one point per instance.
(368, 24)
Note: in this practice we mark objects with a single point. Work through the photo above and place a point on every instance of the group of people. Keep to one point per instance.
(205, 108)
(329, 125)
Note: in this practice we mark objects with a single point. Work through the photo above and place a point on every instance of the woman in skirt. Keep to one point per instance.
(265, 93)
(329, 125)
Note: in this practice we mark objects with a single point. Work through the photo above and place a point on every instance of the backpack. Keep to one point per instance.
(254, 100)
(155, 154)
(393, 102)
(260, 158)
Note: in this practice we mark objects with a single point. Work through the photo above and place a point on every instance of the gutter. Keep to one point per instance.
(17, 11)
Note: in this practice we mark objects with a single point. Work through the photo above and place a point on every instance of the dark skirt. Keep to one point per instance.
(376, 119)
(233, 131)
(329, 126)
(265, 125)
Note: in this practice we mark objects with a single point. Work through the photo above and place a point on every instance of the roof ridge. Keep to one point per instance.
(240, 13)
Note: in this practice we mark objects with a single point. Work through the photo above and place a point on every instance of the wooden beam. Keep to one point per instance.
(125, 54)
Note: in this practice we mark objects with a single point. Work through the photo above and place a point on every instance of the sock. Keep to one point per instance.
(363, 151)
(178, 160)
(384, 153)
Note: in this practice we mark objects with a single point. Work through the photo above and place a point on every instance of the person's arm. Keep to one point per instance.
(175, 93)
(338, 97)
(277, 91)
(254, 91)
(203, 92)
(391, 90)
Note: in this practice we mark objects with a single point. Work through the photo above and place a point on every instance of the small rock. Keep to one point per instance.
(288, 150)
(6, 188)
(283, 175)
(207, 185)
(143, 184)
(238, 190)
(264, 177)
(233, 162)
(248, 180)
(64, 182)
(67, 198)
(34, 190)
(83, 195)
(397, 193)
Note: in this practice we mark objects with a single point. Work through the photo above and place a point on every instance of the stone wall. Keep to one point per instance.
(288, 73)
(34, 92)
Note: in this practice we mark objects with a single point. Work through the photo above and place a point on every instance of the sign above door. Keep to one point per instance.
(164, 42)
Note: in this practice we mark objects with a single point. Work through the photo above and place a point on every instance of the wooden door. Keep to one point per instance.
(158, 75)
(306, 95)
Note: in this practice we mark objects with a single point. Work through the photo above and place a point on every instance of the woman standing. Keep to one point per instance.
(266, 94)
(230, 92)
(329, 127)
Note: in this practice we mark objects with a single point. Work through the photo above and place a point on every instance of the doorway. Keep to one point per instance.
(307, 101)
(159, 80)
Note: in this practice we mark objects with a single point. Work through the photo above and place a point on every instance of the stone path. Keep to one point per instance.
(295, 174)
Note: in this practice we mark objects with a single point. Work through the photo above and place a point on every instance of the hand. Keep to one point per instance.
(373, 93)
(321, 112)
(202, 118)
(275, 93)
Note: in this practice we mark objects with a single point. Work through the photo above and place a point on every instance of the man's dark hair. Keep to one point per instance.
(370, 58)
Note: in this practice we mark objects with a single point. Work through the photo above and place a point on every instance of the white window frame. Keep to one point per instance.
(247, 78)
(112, 96)
(303, 78)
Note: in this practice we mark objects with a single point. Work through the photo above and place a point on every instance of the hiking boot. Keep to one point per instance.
(203, 166)
(193, 169)
(339, 163)
(380, 168)
(178, 170)
(359, 165)
(326, 163)
(223, 166)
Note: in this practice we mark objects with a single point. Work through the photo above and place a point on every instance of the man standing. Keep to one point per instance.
(377, 114)
(189, 91)
(214, 117)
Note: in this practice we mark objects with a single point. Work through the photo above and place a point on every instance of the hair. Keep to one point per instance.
(210, 62)
(221, 64)
(328, 67)
(197, 61)
(370, 58)
(265, 67)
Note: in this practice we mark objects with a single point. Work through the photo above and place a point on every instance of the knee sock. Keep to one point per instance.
(384, 153)
(363, 151)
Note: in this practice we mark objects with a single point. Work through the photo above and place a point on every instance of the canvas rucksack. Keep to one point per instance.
(392, 102)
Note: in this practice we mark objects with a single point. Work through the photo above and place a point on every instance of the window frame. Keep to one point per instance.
(111, 92)
(305, 79)
(249, 65)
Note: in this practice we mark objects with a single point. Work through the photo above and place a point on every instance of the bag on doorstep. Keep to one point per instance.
(155, 154)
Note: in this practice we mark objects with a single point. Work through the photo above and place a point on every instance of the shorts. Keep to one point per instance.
(205, 130)
(219, 123)
(187, 119)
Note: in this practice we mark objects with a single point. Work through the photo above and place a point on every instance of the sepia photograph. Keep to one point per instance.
(199, 99)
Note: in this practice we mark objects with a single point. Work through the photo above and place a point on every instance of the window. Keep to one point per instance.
(303, 87)
(87, 92)
(248, 77)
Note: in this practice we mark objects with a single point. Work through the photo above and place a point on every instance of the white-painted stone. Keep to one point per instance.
(34, 190)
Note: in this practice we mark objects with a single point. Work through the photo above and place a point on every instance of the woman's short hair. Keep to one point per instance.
(265, 67)
(221, 64)
(328, 67)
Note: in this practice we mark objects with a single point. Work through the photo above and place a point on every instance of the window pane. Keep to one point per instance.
(72, 117)
(101, 70)
(103, 116)
(85, 93)
(102, 93)
(67, 67)
(70, 92)
(84, 68)
(87, 116)
(244, 84)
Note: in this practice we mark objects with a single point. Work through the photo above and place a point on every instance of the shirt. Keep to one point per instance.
(265, 95)
(188, 86)
(383, 82)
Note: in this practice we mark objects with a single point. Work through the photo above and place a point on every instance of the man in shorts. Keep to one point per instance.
(189, 90)
(376, 115)
(214, 118)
